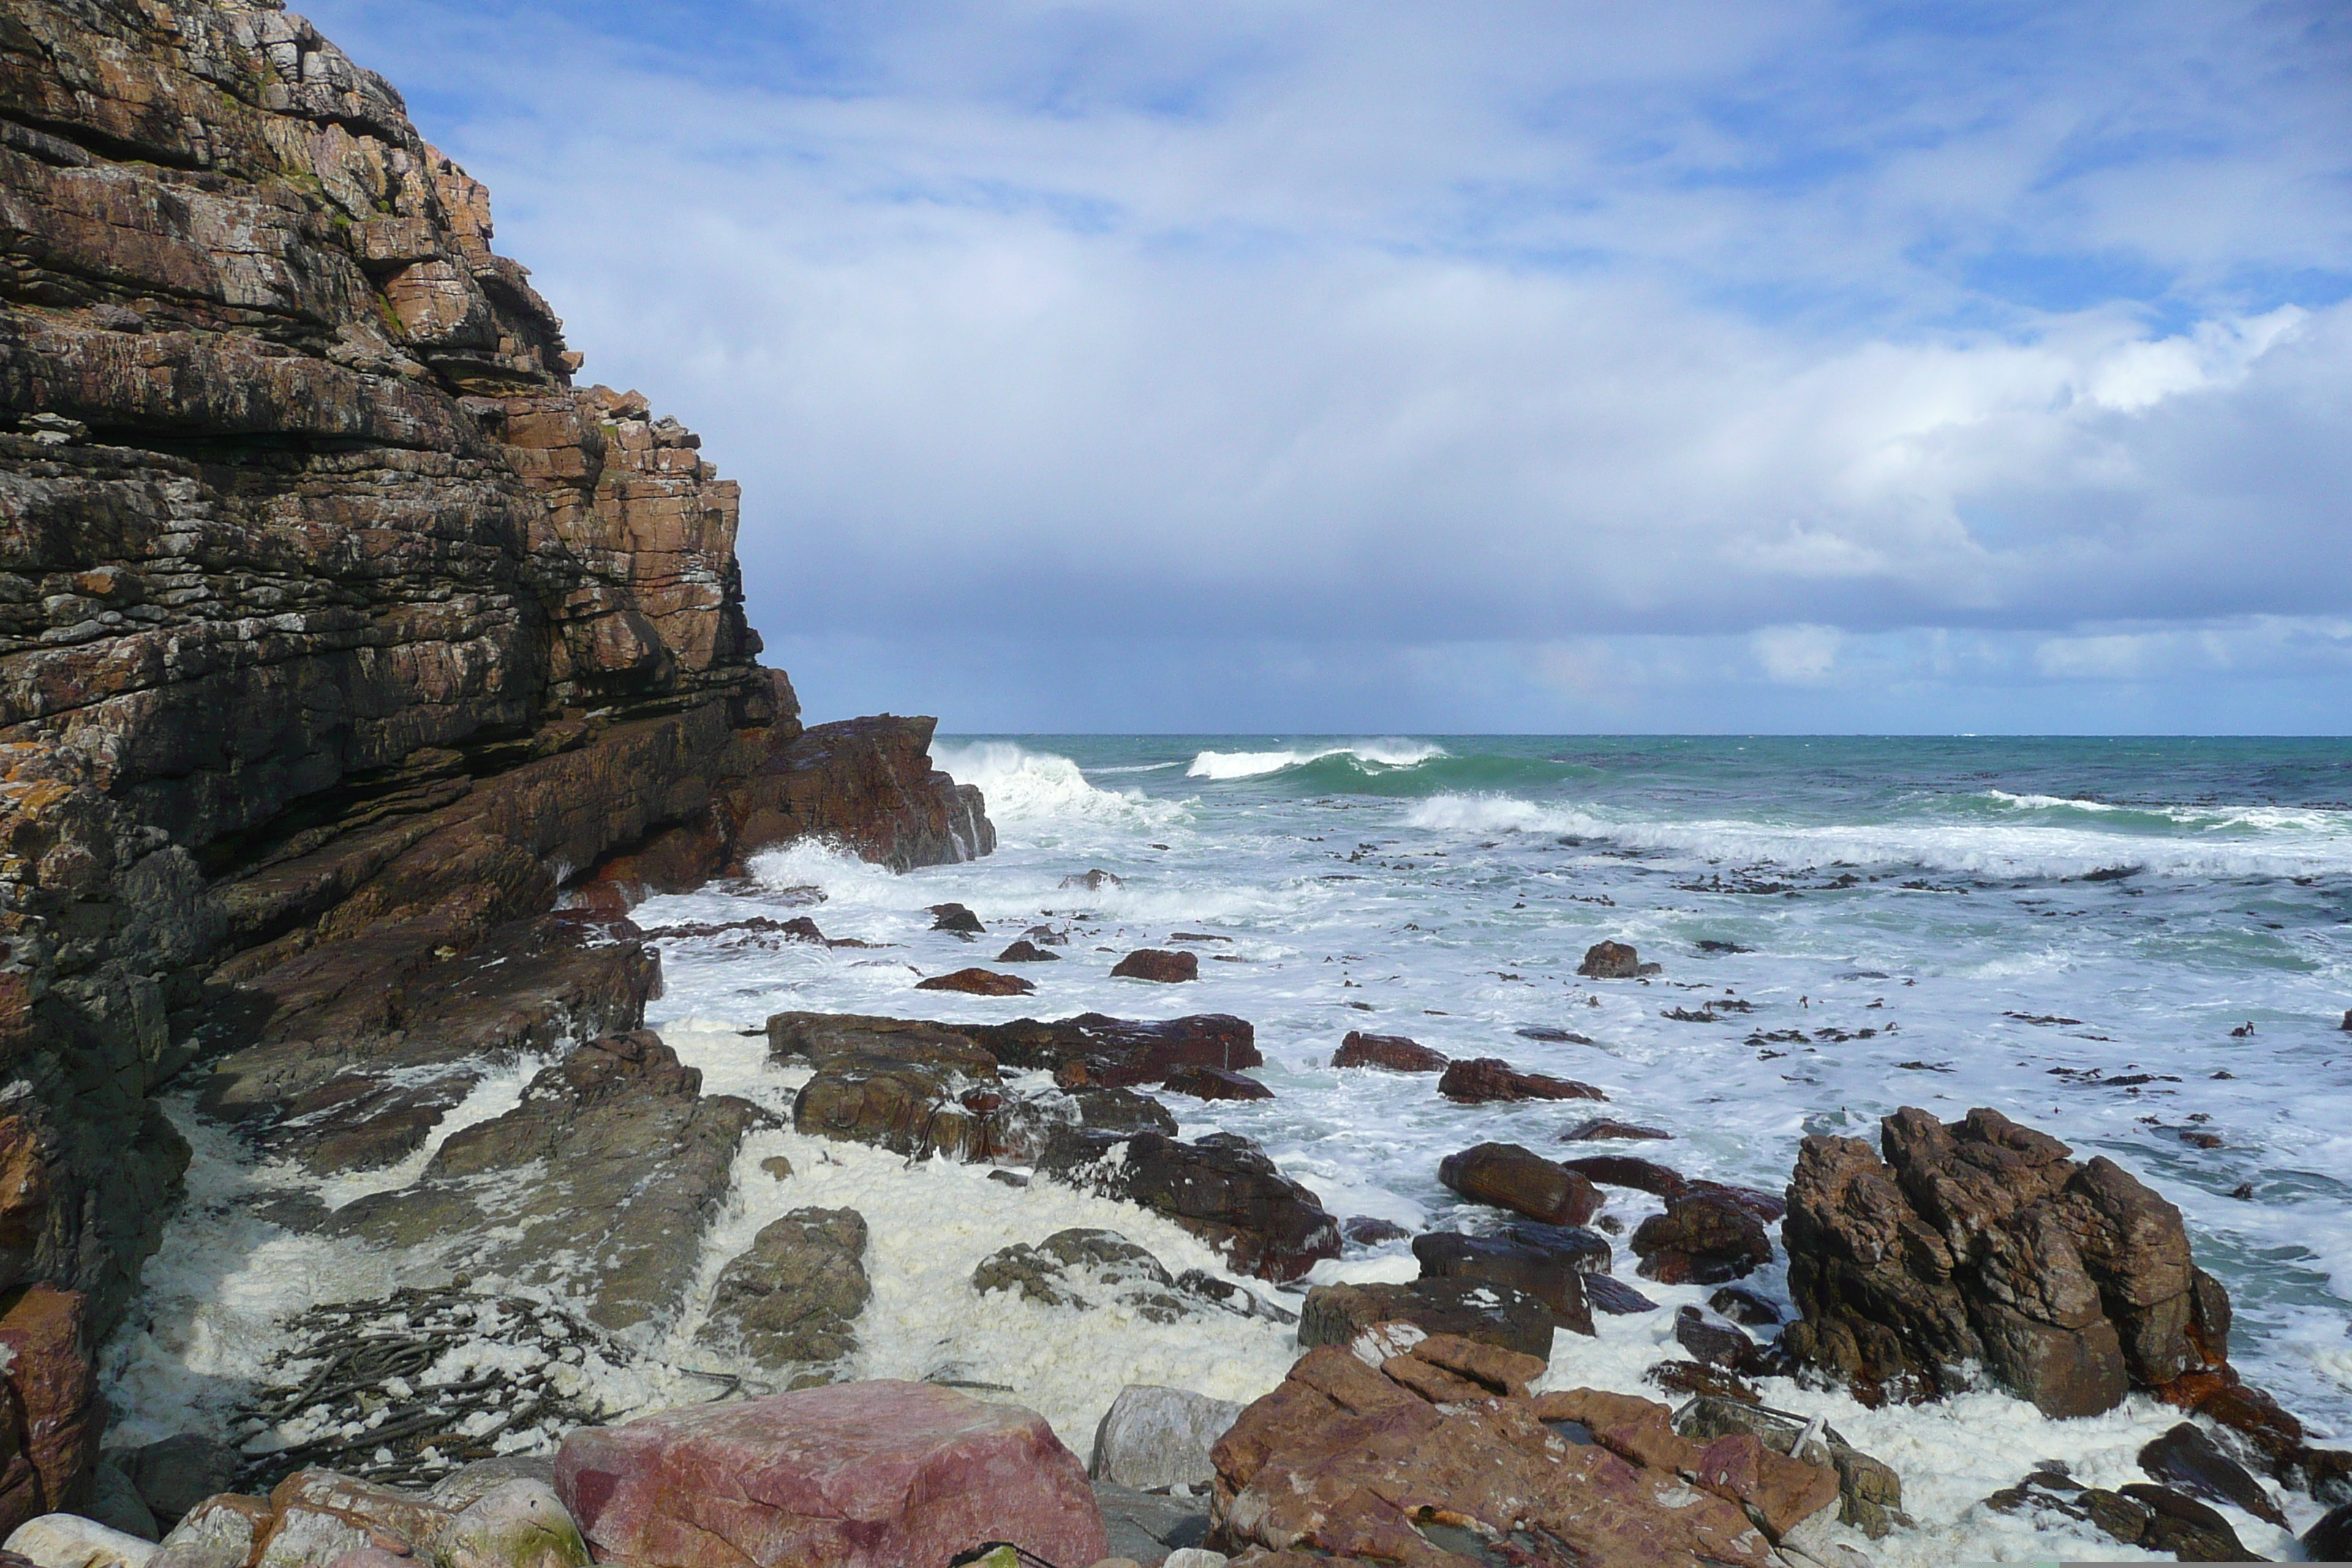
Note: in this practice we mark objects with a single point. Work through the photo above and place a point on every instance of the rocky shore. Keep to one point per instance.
(360, 676)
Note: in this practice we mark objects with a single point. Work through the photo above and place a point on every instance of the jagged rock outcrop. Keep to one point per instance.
(342, 637)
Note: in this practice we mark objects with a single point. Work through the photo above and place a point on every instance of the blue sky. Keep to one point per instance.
(1478, 367)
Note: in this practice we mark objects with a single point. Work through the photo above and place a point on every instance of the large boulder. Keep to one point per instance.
(1394, 1053)
(1221, 1187)
(1707, 1235)
(1153, 1437)
(1500, 1315)
(1983, 1241)
(1477, 1080)
(1094, 1049)
(794, 1298)
(1418, 1460)
(857, 1475)
(1508, 1177)
(1549, 1277)
(913, 1087)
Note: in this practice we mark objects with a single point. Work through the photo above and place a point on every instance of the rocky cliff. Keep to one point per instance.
(356, 669)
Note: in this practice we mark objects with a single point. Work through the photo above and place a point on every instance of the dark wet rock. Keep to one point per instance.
(1394, 1052)
(1478, 1081)
(1093, 881)
(1508, 1177)
(2186, 1459)
(1473, 1309)
(2330, 1540)
(1615, 960)
(1869, 1493)
(1718, 1345)
(1008, 1178)
(1625, 1171)
(1366, 1230)
(1606, 1293)
(1026, 951)
(1698, 1379)
(1122, 1112)
(1983, 1241)
(1551, 1035)
(957, 919)
(1216, 1083)
(978, 983)
(1158, 964)
(901, 1083)
(1094, 1050)
(1221, 1187)
(1705, 1238)
(1550, 1278)
(176, 1474)
(637, 1160)
(794, 1298)
(2152, 1518)
(1083, 1268)
(1594, 1129)
(1586, 1251)
(2266, 1429)
(1743, 1305)
(1710, 945)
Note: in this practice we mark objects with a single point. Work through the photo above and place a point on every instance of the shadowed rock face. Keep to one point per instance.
(1983, 1240)
(342, 635)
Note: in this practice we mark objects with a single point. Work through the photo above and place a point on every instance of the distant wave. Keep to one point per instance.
(1024, 786)
(2316, 844)
(1390, 754)
(2169, 817)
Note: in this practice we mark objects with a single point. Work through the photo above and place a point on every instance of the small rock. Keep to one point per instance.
(1696, 1378)
(957, 919)
(114, 1501)
(1481, 1080)
(1194, 1557)
(1158, 964)
(776, 1167)
(1153, 1437)
(1609, 1294)
(1059, 1270)
(1394, 1052)
(1717, 1344)
(1093, 881)
(978, 983)
(1593, 1128)
(1365, 1230)
(1743, 1305)
(1507, 1176)
(1614, 960)
(1008, 1178)
(70, 1540)
(1026, 951)
(176, 1474)
(1216, 1083)
(1551, 1035)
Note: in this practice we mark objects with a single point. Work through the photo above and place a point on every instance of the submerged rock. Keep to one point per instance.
(1594, 1129)
(1216, 1083)
(1024, 950)
(2186, 1459)
(955, 919)
(1625, 1171)
(1063, 1268)
(794, 1298)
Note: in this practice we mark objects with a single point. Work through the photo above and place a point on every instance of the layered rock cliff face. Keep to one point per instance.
(342, 638)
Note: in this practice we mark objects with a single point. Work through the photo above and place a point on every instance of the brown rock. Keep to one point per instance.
(1466, 1309)
(1368, 1230)
(1614, 960)
(1497, 1370)
(1160, 964)
(793, 1300)
(978, 983)
(1026, 951)
(1221, 1187)
(51, 1382)
(1394, 1052)
(1116, 1053)
(1606, 1293)
(1718, 1345)
(1216, 1083)
(1545, 1276)
(2187, 1461)
(1705, 1238)
(1509, 1176)
(1779, 1493)
(1625, 1171)
(1595, 1128)
(1479, 1080)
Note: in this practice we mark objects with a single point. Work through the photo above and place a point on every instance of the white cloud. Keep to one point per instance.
(1797, 656)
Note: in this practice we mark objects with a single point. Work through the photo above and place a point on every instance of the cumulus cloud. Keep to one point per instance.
(1526, 355)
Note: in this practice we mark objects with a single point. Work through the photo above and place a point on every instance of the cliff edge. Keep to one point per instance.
(356, 669)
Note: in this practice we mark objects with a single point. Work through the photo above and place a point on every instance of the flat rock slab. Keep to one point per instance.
(858, 1475)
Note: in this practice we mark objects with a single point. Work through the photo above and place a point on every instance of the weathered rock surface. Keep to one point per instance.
(1358, 1462)
(2186, 1459)
(1626, 1171)
(1153, 1437)
(793, 1300)
(901, 1083)
(862, 1474)
(1095, 1050)
(70, 1541)
(1548, 1276)
(1158, 964)
(1511, 1177)
(1707, 1235)
(1394, 1053)
(1215, 1083)
(1870, 1494)
(1595, 1129)
(1476, 1080)
(49, 1422)
(1083, 1268)
(1615, 960)
(1221, 1187)
(1983, 1241)
(339, 631)
(978, 983)
(2155, 1518)
(1497, 1315)
(629, 1162)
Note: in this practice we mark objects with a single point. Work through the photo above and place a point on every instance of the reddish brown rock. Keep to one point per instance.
(1498, 1315)
(1221, 1187)
(1547, 1276)
(1216, 1083)
(1594, 1129)
(1394, 1052)
(1625, 1171)
(51, 1392)
(1158, 964)
(978, 983)
(1521, 1180)
(1118, 1053)
(863, 1475)
(1705, 1238)
(1983, 1241)
(1614, 960)
(1478, 1079)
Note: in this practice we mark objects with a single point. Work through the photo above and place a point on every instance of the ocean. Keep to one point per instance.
(2142, 947)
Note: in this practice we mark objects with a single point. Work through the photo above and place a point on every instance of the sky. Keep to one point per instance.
(1277, 367)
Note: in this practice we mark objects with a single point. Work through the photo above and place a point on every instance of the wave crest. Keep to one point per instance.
(1384, 753)
(1022, 787)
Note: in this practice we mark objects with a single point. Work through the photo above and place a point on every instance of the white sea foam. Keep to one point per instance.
(1389, 754)
(1039, 790)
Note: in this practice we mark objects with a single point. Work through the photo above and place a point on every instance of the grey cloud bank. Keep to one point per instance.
(1491, 368)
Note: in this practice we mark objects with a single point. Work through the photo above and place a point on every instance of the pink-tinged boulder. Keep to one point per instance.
(857, 1475)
